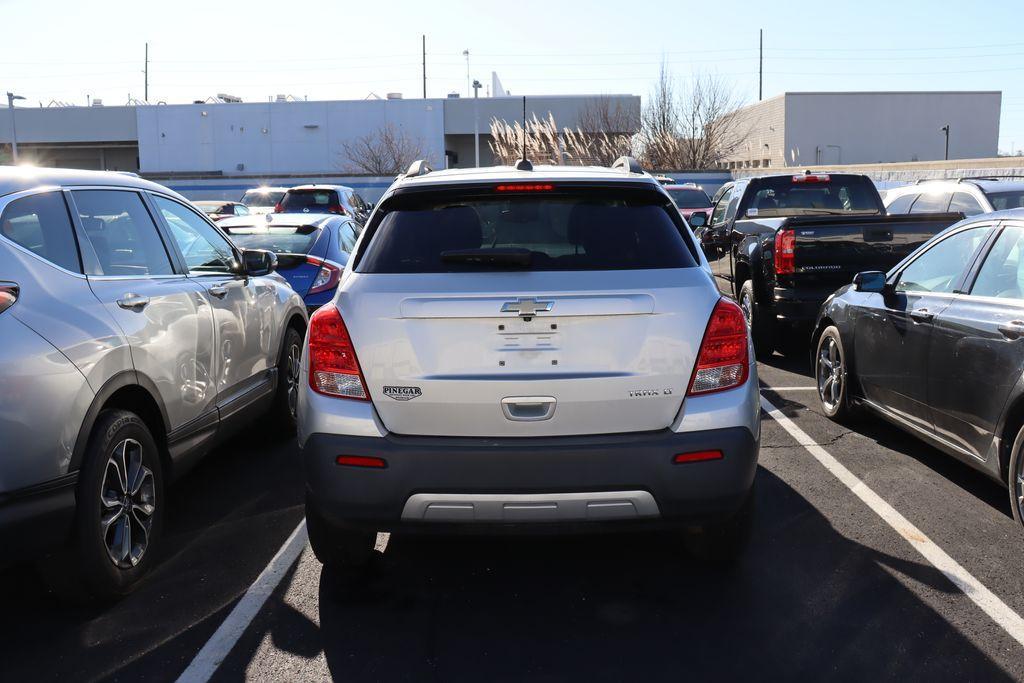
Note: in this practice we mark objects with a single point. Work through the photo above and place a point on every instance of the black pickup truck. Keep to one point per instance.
(781, 244)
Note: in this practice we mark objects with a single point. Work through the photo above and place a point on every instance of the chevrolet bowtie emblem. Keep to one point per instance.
(527, 307)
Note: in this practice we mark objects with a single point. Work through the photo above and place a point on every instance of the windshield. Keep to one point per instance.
(1006, 200)
(825, 194)
(315, 201)
(690, 199)
(580, 231)
(290, 240)
(259, 198)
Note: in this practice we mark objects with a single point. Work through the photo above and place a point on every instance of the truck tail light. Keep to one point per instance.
(326, 278)
(723, 362)
(8, 295)
(333, 367)
(785, 261)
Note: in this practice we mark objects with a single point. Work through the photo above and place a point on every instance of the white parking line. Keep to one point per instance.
(220, 643)
(763, 387)
(1000, 612)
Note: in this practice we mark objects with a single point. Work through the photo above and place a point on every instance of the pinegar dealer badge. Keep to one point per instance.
(402, 393)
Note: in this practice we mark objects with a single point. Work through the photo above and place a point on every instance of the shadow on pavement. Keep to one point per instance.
(804, 603)
(226, 519)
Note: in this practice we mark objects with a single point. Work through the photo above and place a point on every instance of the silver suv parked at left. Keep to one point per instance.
(133, 337)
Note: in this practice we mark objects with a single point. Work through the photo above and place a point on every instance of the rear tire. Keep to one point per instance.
(336, 547)
(832, 376)
(761, 321)
(722, 544)
(119, 515)
(288, 377)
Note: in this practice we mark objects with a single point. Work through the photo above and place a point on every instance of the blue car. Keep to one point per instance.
(312, 249)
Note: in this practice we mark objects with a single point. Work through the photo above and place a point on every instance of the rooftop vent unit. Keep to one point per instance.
(97, 102)
(394, 95)
(453, 95)
(281, 98)
(224, 97)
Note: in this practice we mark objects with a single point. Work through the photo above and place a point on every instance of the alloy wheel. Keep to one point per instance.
(127, 504)
(292, 378)
(1018, 487)
(747, 306)
(830, 373)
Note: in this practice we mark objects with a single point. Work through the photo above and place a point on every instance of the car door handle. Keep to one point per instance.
(922, 315)
(1013, 329)
(133, 302)
(218, 291)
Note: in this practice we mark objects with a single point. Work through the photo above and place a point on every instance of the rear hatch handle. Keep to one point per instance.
(528, 408)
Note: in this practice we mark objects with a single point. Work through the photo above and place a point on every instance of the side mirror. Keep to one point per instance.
(869, 281)
(256, 262)
(698, 219)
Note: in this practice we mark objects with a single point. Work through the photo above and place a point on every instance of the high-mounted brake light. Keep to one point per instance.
(8, 295)
(785, 259)
(722, 362)
(333, 367)
(326, 278)
(812, 178)
(525, 187)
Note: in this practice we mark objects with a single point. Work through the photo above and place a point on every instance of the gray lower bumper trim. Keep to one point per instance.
(533, 507)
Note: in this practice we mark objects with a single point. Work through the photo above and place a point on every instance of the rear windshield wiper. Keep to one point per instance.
(511, 257)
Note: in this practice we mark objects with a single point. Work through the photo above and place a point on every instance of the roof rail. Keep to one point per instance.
(962, 179)
(418, 168)
(627, 165)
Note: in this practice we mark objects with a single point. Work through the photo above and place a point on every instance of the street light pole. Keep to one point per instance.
(945, 129)
(465, 53)
(14, 129)
(476, 120)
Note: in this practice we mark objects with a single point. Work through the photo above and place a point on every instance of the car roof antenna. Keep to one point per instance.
(524, 163)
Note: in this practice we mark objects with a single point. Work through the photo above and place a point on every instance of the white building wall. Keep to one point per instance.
(871, 127)
(276, 137)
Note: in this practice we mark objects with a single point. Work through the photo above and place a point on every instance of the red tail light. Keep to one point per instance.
(722, 362)
(785, 261)
(333, 367)
(278, 208)
(337, 208)
(8, 295)
(526, 187)
(327, 277)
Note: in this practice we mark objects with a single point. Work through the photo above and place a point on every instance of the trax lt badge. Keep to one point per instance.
(644, 393)
(527, 307)
(402, 393)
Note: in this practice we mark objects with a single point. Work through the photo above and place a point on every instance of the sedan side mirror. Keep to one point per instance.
(256, 262)
(869, 281)
(698, 219)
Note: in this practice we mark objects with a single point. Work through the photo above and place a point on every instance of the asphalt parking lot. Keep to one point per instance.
(826, 590)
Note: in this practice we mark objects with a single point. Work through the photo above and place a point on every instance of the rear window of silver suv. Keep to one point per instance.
(549, 230)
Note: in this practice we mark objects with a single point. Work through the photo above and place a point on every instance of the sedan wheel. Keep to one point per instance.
(292, 377)
(832, 376)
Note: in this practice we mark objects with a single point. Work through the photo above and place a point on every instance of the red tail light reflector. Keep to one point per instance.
(722, 362)
(699, 456)
(333, 366)
(526, 187)
(326, 278)
(785, 259)
(361, 461)
(8, 295)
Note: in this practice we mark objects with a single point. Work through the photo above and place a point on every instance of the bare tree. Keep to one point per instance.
(389, 150)
(695, 129)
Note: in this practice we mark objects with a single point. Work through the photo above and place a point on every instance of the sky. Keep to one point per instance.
(64, 51)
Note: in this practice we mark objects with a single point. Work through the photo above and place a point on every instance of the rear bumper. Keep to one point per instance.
(529, 482)
(36, 519)
(800, 306)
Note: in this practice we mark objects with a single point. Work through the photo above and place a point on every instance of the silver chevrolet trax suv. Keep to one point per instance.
(133, 336)
(527, 349)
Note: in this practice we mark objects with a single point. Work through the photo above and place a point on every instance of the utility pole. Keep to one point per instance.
(760, 68)
(469, 86)
(11, 97)
(945, 129)
(424, 66)
(476, 120)
(145, 70)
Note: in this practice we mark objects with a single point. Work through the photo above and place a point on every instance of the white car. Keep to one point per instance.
(262, 200)
(517, 349)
